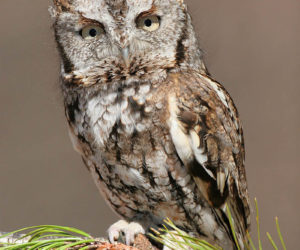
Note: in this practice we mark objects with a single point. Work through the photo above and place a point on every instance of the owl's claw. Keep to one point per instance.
(130, 230)
(115, 229)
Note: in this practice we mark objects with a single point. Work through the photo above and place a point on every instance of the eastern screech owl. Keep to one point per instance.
(159, 136)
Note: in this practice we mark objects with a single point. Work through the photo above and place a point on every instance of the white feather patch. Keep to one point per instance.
(129, 176)
(187, 145)
(199, 154)
(221, 181)
(102, 120)
(195, 143)
(220, 93)
(180, 139)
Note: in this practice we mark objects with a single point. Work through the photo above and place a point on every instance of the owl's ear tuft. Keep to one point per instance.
(62, 5)
(53, 12)
(182, 3)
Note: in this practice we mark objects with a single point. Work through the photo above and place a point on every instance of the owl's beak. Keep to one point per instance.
(125, 55)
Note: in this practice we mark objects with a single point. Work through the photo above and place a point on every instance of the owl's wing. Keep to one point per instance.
(208, 138)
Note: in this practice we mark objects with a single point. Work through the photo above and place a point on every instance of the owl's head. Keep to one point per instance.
(125, 38)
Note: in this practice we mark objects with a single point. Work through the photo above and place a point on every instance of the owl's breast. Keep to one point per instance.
(121, 114)
(125, 140)
(131, 156)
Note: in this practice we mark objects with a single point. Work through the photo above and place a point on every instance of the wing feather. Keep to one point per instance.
(207, 134)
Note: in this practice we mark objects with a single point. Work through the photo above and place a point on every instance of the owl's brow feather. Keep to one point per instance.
(118, 9)
(63, 5)
(85, 21)
(152, 10)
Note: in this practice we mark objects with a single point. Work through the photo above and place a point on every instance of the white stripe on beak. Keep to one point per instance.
(125, 55)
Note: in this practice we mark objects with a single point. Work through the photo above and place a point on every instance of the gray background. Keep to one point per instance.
(252, 47)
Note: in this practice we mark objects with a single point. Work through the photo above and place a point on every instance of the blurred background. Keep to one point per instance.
(251, 47)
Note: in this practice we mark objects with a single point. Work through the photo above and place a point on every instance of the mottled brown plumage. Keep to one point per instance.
(160, 137)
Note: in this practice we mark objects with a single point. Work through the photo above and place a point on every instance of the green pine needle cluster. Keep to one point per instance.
(177, 239)
(56, 237)
(48, 237)
(174, 238)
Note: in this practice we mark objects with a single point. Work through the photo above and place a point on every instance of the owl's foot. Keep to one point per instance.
(123, 229)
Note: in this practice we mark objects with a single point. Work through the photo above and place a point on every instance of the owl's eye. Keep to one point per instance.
(148, 23)
(91, 32)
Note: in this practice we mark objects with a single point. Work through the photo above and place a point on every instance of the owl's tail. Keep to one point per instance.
(235, 221)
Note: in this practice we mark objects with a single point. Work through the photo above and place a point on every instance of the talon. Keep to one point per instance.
(115, 229)
(129, 230)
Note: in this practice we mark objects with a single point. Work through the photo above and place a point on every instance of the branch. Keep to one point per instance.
(141, 242)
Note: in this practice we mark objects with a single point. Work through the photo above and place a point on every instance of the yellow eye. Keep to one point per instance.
(91, 31)
(148, 23)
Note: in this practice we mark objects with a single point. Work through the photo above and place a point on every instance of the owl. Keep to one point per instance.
(159, 136)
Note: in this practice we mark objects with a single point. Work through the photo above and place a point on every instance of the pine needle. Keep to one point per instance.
(232, 227)
(47, 237)
(272, 241)
(175, 238)
(258, 226)
(279, 234)
(250, 241)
